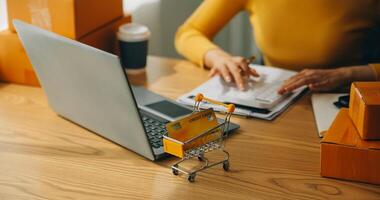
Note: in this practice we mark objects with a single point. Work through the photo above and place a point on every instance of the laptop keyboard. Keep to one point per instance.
(155, 130)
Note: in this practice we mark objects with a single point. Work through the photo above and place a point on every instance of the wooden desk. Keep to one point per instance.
(46, 157)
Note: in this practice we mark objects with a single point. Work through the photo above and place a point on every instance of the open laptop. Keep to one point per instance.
(90, 88)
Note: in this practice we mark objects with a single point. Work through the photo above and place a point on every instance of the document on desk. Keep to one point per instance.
(324, 110)
(246, 105)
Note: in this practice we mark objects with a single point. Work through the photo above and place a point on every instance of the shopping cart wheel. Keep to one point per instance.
(175, 171)
(226, 165)
(191, 177)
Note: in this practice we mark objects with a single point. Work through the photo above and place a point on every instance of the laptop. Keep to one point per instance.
(90, 88)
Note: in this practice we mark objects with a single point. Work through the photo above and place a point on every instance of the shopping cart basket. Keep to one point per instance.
(204, 142)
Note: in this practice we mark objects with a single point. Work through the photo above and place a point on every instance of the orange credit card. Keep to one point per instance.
(194, 125)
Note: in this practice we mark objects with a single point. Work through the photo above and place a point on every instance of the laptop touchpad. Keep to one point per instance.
(169, 109)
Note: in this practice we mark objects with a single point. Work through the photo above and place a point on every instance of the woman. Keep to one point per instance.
(331, 43)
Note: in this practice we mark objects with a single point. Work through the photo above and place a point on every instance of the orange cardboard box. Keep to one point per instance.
(70, 18)
(365, 108)
(344, 155)
(105, 38)
(14, 63)
(15, 66)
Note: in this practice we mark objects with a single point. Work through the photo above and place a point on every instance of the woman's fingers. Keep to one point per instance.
(213, 72)
(230, 73)
(296, 77)
(236, 72)
(244, 65)
(254, 73)
(225, 73)
(282, 90)
(233, 69)
(299, 81)
(249, 71)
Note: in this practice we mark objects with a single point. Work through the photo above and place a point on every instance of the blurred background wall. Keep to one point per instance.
(163, 18)
(3, 15)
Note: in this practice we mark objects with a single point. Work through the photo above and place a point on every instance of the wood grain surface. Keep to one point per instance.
(43, 156)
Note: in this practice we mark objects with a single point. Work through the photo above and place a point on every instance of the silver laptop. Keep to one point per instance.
(90, 88)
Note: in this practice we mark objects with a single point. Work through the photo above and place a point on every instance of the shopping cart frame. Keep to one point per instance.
(200, 151)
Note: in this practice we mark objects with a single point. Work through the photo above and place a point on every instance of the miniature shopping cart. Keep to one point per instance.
(213, 139)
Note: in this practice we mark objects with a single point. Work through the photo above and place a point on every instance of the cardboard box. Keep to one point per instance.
(14, 63)
(365, 108)
(105, 38)
(15, 66)
(344, 155)
(70, 18)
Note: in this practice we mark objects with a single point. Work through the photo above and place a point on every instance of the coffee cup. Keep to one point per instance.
(133, 41)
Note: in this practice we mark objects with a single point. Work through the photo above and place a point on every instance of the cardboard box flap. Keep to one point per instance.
(70, 18)
(341, 132)
(369, 92)
(344, 132)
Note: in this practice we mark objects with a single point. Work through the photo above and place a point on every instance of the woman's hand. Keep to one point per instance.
(232, 69)
(322, 80)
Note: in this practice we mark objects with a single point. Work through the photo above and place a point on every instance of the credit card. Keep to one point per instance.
(194, 125)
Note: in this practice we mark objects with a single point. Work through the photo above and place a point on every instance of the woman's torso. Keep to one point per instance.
(316, 33)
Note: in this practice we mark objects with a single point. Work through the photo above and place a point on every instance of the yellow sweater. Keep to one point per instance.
(293, 34)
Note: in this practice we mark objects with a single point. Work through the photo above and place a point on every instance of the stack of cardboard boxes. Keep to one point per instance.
(351, 147)
(93, 22)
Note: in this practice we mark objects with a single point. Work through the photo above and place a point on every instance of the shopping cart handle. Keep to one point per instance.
(230, 108)
(200, 97)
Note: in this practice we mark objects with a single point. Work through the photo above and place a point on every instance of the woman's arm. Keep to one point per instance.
(376, 69)
(193, 40)
(322, 80)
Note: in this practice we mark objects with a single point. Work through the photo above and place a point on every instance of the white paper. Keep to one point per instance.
(216, 88)
(324, 110)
